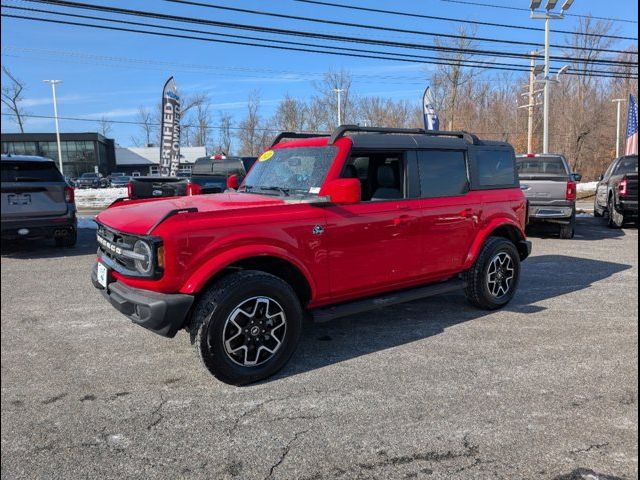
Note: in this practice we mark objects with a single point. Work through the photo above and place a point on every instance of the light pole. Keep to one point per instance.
(339, 92)
(547, 16)
(55, 117)
(619, 101)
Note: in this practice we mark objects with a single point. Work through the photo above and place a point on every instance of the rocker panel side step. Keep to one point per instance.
(326, 314)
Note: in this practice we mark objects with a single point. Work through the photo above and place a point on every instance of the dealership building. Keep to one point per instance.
(86, 152)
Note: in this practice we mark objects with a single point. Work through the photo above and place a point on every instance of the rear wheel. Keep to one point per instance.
(567, 232)
(616, 219)
(493, 279)
(246, 326)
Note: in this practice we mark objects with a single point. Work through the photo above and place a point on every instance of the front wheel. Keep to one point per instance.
(246, 326)
(493, 280)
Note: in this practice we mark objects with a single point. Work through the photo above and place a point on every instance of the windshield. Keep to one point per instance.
(627, 165)
(23, 171)
(541, 166)
(293, 170)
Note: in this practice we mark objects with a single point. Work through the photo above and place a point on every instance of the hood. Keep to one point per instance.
(140, 218)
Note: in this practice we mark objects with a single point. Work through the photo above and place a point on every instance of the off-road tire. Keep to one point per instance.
(616, 219)
(217, 303)
(477, 290)
(69, 240)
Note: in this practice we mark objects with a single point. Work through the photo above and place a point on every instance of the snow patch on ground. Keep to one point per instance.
(98, 197)
(87, 222)
(587, 189)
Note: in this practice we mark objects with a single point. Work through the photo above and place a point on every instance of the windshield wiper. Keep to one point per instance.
(284, 191)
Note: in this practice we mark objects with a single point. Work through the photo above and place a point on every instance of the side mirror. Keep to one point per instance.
(577, 177)
(600, 178)
(233, 182)
(343, 191)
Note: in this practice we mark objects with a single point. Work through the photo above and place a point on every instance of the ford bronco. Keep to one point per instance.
(322, 227)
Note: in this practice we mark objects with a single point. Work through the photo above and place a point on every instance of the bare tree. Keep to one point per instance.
(451, 77)
(224, 135)
(12, 98)
(326, 104)
(290, 115)
(202, 125)
(251, 134)
(105, 126)
(147, 124)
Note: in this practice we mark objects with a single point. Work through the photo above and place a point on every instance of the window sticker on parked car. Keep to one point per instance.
(266, 156)
(314, 190)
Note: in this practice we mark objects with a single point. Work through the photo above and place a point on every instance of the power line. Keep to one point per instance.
(372, 27)
(505, 7)
(369, 54)
(261, 129)
(70, 4)
(456, 20)
(93, 59)
(279, 31)
(439, 60)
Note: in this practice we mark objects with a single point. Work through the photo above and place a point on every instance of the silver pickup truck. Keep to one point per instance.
(550, 187)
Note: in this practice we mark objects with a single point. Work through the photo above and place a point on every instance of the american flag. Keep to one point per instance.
(632, 127)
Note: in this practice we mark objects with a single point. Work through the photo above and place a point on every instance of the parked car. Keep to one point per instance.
(120, 180)
(329, 225)
(117, 174)
(91, 180)
(37, 202)
(551, 190)
(617, 192)
(157, 187)
(211, 174)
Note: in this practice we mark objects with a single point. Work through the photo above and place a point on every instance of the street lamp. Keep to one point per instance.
(55, 117)
(547, 17)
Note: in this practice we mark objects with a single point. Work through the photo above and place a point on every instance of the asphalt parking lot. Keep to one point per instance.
(433, 389)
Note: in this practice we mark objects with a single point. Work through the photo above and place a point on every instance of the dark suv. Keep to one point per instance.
(322, 226)
(37, 202)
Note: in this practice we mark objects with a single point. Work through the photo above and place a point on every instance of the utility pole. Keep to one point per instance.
(55, 117)
(531, 97)
(339, 92)
(547, 16)
(619, 101)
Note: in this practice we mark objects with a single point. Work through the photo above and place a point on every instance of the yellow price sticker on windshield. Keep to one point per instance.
(266, 156)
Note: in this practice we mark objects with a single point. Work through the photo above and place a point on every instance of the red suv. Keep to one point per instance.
(325, 226)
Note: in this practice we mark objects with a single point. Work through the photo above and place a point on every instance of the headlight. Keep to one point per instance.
(144, 262)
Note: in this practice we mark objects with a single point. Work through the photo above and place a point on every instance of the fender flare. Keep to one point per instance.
(219, 262)
(486, 232)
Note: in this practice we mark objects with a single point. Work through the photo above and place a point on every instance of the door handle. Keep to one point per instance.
(468, 213)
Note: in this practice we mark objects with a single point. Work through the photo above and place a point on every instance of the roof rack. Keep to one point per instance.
(283, 135)
(343, 129)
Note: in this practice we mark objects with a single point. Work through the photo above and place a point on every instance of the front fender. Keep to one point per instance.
(486, 232)
(219, 262)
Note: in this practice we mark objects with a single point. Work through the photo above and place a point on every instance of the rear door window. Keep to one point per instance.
(25, 171)
(493, 168)
(443, 173)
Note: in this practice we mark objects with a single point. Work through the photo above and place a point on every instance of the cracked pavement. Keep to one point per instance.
(434, 389)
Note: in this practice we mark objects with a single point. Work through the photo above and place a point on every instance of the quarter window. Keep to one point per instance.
(443, 173)
(495, 168)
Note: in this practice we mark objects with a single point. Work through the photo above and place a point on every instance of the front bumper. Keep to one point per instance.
(47, 227)
(161, 313)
